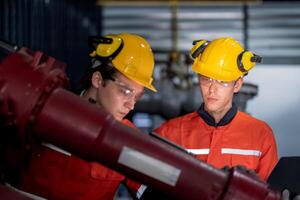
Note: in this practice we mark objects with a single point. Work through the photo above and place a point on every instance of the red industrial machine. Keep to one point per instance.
(35, 107)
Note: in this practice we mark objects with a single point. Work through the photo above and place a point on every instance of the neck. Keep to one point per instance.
(219, 114)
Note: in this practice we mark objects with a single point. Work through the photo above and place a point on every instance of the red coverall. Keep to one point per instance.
(240, 140)
(55, 175)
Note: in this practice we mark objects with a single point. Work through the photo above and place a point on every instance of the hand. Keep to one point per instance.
(242, 169)
(248, 171)
(288, 195)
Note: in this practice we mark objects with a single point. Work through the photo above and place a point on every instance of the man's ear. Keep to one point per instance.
(238, 85)
(97, 80)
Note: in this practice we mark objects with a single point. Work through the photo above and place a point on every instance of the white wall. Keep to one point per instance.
(278, 103)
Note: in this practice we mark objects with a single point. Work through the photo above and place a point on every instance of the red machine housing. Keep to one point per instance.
(33, 99)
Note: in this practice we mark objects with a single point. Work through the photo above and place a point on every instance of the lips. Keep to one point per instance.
(119, 116)
(212, 99)
(122, 114)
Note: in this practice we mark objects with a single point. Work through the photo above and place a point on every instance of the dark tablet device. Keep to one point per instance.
(286, 175)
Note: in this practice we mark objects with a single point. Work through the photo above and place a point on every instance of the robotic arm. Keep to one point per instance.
(33, 101)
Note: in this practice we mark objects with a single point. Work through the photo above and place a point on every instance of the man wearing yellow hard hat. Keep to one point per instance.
(122, 65)
(218, 133)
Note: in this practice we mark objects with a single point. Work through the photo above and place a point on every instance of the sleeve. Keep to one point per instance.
(133, 187)
(269, 156)
(172, 130)
(128, 123)
(162, 130)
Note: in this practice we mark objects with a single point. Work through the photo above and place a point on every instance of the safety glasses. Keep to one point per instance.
(126, 92)
(206, 81)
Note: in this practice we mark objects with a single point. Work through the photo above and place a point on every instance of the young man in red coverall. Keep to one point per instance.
(122, 65)
(218, 133)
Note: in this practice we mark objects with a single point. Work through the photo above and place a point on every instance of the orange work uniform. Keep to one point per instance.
(55, 174)
(238, 139)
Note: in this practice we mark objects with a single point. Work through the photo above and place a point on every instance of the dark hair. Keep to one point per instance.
(107, 71)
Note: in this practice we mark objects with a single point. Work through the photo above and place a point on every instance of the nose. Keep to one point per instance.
(129, 104)
(212, 86)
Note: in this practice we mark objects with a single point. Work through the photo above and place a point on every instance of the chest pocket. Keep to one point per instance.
(248, 161)
(103, 173)
(245, 157)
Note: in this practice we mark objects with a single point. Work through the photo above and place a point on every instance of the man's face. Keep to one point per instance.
(218, 95)
(119, 96)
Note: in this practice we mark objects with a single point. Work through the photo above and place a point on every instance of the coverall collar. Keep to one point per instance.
(211, 121)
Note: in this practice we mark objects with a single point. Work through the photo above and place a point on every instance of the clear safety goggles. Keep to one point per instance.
(206, 81)
(126, 92)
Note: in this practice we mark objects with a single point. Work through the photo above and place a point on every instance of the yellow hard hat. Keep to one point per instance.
(129, 53)
(222, 59)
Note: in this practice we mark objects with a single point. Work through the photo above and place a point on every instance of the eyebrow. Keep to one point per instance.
(125, 85)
